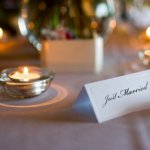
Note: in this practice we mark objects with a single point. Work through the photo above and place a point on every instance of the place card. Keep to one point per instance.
(116, 97)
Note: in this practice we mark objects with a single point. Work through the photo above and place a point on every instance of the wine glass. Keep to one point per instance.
(136, 13)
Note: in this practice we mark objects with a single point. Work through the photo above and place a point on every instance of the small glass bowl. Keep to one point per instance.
(21, 89)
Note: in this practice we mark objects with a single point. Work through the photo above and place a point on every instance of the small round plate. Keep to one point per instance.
(55, 94)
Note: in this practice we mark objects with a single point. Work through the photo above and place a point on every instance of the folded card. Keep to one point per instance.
(119, 96)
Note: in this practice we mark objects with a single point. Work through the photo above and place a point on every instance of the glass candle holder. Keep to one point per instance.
(33, 82)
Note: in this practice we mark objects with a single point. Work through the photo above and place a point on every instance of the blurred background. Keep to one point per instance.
(124, 24)
(13, 47)
(9, 11)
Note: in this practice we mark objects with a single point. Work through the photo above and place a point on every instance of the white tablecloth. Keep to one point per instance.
(56, 126)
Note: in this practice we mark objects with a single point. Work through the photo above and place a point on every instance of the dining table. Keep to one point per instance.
(50, 120)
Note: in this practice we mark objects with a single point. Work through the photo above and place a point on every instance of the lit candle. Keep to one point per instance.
(144, 36)
(1, 33)
(148, 32)
(24, 76)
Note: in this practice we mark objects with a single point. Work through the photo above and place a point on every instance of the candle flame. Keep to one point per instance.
(25, 70)
(148, 32)
(1, 33)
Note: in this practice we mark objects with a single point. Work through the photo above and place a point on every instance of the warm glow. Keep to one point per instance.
(147, 53)
(1, 33)
(112, 23)
(31, 25)
(16, 73)
(24, 75)
(25, 70)
(24, 13)
(42, 5)
(93, 24)
(86, 5)
(148, 32)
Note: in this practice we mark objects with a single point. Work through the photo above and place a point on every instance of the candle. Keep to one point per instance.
(148, 32)
(25, 75)
(25, 82)
(1, 33)
(144, 36)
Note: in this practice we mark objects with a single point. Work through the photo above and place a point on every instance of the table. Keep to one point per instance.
(56, 127)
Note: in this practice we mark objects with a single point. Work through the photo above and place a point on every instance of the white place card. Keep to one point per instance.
(116, 97)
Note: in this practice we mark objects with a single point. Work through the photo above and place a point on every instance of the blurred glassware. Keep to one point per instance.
(135, 16)
(65, 19)
(9, 11)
